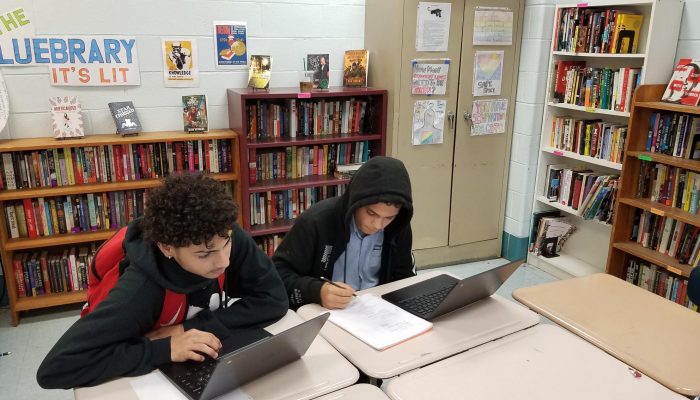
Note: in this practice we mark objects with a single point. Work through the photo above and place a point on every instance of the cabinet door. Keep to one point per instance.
(480, 164)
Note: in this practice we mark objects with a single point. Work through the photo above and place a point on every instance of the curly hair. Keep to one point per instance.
(188, 209)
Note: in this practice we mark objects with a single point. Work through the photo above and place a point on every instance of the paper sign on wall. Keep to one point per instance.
(180, 67)
(488, 73)
(493, 26)
(433, 26)
(429, 78)
(230, 44)
(428, 121)
(489, 116)
(16, 24)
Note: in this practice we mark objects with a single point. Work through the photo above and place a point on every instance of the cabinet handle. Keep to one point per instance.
(468, 119)
(451, 120)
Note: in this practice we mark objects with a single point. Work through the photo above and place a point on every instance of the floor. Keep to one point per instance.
(38, 331)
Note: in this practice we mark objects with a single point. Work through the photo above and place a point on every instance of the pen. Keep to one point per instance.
(5, 354)
(334, 284)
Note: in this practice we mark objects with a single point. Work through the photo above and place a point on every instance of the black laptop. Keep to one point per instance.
(247, 355)
(441, 294)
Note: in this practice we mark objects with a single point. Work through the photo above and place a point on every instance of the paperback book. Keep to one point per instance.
(125, 117)
(194, 113)
(259, 72)
(684, 86)
(66, 117)
(355, 65)
(318, 63)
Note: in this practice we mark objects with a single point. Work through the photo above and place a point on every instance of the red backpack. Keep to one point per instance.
(107, 266)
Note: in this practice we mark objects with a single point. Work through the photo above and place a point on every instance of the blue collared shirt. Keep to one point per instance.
(359, 264)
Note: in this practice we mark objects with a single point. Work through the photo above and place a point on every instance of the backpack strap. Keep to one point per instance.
(174, 308)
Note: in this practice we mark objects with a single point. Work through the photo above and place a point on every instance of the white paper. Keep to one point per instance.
(433, 26)
(377, 322)
(4, 104)
(156, 386)
(493, 26)
(428, 121)
(430, 78)
(488, 73)
(489, 116)
(180, 67)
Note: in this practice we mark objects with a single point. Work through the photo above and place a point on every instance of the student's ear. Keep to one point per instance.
(166, 249)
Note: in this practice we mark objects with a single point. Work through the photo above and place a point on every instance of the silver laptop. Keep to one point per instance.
(441, 294)
(257, 354)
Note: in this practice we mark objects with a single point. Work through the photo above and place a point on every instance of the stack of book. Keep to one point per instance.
(657, 280)
(671, 186)
(590, 194)
(673, 134)
(596, 30)
(548, 228)
(594, 138)
(39, 273)
(667, 236)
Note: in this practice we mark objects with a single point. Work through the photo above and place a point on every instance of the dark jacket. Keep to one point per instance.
(694, 286)
(109, 342)
(320, 234)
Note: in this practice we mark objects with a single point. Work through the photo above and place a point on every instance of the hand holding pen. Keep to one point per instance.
(336, 294)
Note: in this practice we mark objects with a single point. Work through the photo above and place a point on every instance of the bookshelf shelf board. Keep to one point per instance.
(95, 188)
(597, 55)
(50, 300)
(589, 109)
(662, 105)
(58, 240)
(297, 183)
(43, 143)
(653, 256)
(662, 209)
(279, 226)
(565, 209)
(565, 266)
(692, 165)
(310, 140)
(293, 93)
(579, 157)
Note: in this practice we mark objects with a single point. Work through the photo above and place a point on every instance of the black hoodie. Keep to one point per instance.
(320, 234)
(109, 342)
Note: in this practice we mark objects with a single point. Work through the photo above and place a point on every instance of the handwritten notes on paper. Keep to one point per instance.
(428, 121)
(488, 73)
(429, 78)
(493, 26)
(377, 322)
(489, 116)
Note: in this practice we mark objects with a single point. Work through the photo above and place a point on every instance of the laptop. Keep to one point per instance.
(247, 355)
(441, 294)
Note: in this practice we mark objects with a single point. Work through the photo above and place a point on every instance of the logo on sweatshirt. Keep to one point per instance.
(326, 256)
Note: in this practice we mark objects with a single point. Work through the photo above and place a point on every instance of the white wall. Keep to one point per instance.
(286, 29)
(532, 83)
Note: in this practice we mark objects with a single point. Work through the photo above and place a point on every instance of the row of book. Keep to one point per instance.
(267, 207)
(597, 30)
(600, 88)
(268, 244)
(549, 229)
(594, 138)
(298, 161)
(657, 280)
(308, 118)
(671, 186)
(591, 194)
(31, 218)
(41, 272)
(667, 236)
(112, 163)
(674, 134)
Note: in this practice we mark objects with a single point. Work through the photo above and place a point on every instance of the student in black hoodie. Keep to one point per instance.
(186, 239)
(358, 240)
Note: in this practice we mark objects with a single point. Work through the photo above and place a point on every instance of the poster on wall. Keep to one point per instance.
(15, 24)
(433, 26)
(489, 116)
(430, 78)
(493, 26)
(230, 44)
(4, 104)
(180, 67)
(428, 121)
(488, 73)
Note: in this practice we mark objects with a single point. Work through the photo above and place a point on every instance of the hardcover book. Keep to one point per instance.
(627, 28)
(194, 113)
(67, 120)
(125, 117)
(683, 87)
(355, 64)
(259, 72)
(319, 64)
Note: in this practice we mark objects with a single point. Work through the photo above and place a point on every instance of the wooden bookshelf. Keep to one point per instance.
(55, 243)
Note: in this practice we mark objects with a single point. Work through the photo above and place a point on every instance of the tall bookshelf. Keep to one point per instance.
(583, 253)
(663, 200)
(119, 170)
(338, 126)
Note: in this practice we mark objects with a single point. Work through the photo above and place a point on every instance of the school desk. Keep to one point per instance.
(462, 329)
(321, 370)
(360, 391)
(644, 330)
(544, 362)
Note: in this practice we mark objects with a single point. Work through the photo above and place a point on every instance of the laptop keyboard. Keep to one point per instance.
(425, 304)
(197, 377)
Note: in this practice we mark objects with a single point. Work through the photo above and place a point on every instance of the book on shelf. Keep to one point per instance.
(684, 87)
(673, 134)
(377, 322)
(66, 117)
(594, 138)
(270, 206)
(345, 171)
(594, 87)
(596, 30)
(657, 279)
(678, 240)
(320, 65)
(534, 229)
(194, 113)
(559, 228)
(260, 71)
(355, 67)
(125, 118)
(626, 35)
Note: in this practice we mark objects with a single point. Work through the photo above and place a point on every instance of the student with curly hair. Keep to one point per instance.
(186, 239)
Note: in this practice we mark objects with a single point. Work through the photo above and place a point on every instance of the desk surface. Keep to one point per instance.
(644, 330)
(452, 333)
(361, 391)
(321, 370)
(541, 363)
